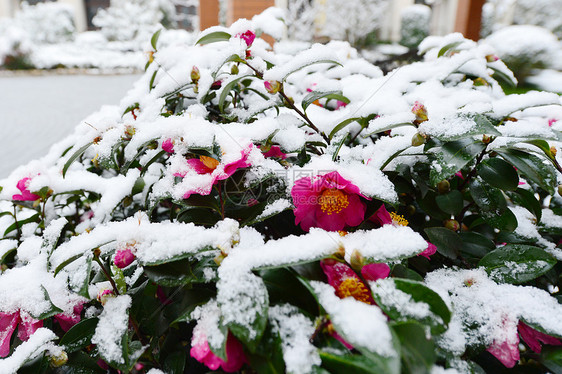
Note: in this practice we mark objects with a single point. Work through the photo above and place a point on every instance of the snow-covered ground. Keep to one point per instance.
(37, 111)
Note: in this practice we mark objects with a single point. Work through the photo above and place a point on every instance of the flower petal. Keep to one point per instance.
(8, 323)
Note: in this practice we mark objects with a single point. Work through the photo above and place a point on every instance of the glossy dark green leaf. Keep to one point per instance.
(348, 363)
(317, 95)
(342, 125)
(213, 37)
(19, 224)
(419, 293)
(551, 357)
(451, 203)
(447, 48)
(532, 167)
(79, 335)
(448, 243)
(417, 352)
(499, 173)
(175, 362)
(452, 157)
(517, 263)
(475, 245)
(476, 124)
(171, 274)
(52, 310)
(527, 199)
(493, 206)
(74, 157)
(502, 77)
(227, 88)
(154, 39)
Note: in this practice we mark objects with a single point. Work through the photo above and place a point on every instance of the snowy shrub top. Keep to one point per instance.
(291, 209)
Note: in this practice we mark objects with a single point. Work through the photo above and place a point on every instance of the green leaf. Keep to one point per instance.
(154, 39)
(448, 243)
(213, 37)
(20, 223)
(532, 167)
(499, 173)
(502, 77)
(348, 363)
(517, 263)
(67, 261)
(481, 126)
(74, 157)
(452, 157)
(447, 48)
(493, 206)
(342, 125)
(476, 245)
(175, 362)
(171, 274)
(53, 309)
(527, 199)
(79, 335)
(451, 202)
(151, 82)
(308, 64)
(316, 95)
(227, 88)
(418, 352)
(419, 293)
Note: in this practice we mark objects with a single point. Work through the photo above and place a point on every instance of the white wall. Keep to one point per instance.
(79, 13)
(8, 8)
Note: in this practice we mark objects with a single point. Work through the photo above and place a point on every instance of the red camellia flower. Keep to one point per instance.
(328, 201)
(8, 324)
(168, 145)
(124, 257)
(235, 357)
(248, 37)
(26, 195)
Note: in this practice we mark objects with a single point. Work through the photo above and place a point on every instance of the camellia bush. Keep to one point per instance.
(292, 210)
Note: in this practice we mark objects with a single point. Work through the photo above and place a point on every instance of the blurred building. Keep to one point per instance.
(447, 15)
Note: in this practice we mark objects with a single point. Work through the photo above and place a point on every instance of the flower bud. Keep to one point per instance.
(356, 261)
(553, 151)
(420, 111)
(130, 131)
(418, 139)
(444, 186)
(248, 37)
(124, 257)
(195, 74)
(480, 82)
(150, 57)
(216, 85)
(272, 86)
(452, 225)
(486, 139)
(104, 295)
(492, 58)
(58, 360)
(234, 70)
(560, 189)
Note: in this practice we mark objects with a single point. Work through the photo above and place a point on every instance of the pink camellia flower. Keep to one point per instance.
(506, 352)
(421, 113)
(552, 121)
(25, 195)
(459, 174)
(248, 37)
(124, 257)
(272, 86)
(534, 338)
(67, 320)
(168, 145)
(8, 323)
(340, 104)
(346, 282)
(327, 201)
(375, 271)
(235, 356)
(383, 217)
(275, 151)
(216, 170)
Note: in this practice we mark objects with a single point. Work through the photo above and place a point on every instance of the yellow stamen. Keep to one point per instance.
(209, 162)
(354, 288)
(342, 232)
(398, 219)
(333, 201)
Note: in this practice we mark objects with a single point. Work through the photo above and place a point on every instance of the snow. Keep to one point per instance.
(113, 324)
(484, 311)
(362, 325)
(208, 319)
(513, 103)
(295, 331)
(39, 342)
(548, 80)
(392, 297)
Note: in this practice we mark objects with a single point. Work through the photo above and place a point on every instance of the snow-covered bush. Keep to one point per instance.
(47, 22)
(415, 25)
(15, 46)
(300, 212)
(524, 48)
(127, 20)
